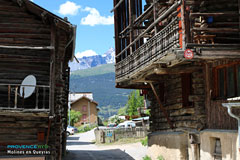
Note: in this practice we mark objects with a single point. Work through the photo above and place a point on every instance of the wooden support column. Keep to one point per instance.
(161, 106)
(16, 97)
(155, 15)
(183, 25)
(239, 15)
(9, 96)
(52, 69)
(116, 29)
(130, 24)
(208, 91)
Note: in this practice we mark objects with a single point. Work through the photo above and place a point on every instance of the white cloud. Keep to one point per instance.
(94, 18)
(69, 8)
(86, 53)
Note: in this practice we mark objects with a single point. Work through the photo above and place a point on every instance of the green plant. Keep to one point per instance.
(147, 158)
(122, 111)
(145, 141)
(160, 158)
(115, 120)
(135, 101)
(148, 112)
(86, 128)
(105, 123)
(75, 116)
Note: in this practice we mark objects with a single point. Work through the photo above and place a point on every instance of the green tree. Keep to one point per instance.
(135, 101)
(115, 120)
(122, 111)
(75, 116)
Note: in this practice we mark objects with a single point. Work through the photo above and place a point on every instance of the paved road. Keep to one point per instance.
(80, 147)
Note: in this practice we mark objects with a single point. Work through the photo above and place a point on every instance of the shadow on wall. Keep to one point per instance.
(79, 143)
(73, 138)
(99, 155)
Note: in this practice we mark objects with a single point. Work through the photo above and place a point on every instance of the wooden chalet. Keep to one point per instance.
(33, 41)
(186, 54)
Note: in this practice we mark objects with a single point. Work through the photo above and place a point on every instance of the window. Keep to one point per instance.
(217, 149)
(84, 118)
(225, 80)
(84, 108)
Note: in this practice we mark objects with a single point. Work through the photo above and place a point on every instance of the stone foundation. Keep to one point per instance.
(229, 144)
(170, 145)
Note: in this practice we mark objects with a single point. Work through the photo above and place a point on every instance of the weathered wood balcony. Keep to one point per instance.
(12, 101)
(152, 38)
(155, 48)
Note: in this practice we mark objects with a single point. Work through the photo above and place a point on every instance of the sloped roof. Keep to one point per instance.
(41, 12)
(76, 95)
(50, 18)
(84, 97)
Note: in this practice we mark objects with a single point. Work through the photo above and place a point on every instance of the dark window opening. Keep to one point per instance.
(161, 92)
(186, 89)
(225, 80)
(221, 82)
(230, 82)
(217, 150)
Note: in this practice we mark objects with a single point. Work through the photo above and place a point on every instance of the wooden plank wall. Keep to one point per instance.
(19, 28)
(217, 115)
(225, 26)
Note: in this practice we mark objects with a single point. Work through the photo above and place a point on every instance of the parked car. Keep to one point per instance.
(126, 124)
(71, 130)
(111, 125)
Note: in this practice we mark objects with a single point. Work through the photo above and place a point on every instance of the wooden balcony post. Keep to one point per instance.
(23, 94)
(183, 25)
(155, 15)
(239, 14)
(9, 96)
(130, 24)
(37, 94)
(44, 97)
(16, 94)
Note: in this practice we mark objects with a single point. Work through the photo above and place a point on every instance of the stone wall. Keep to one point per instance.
(170, 145)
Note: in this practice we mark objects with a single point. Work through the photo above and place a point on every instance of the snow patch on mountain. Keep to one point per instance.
(90, 58)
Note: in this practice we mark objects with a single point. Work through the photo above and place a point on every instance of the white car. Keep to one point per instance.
(70, 130)
(126, 124)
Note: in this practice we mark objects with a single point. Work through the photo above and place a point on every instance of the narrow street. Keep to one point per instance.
(81, 146)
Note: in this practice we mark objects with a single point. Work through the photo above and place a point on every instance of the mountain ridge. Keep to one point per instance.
(100, 81)
(93, 71)
(93, 61)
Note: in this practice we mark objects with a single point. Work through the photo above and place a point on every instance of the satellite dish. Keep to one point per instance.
(29, 85)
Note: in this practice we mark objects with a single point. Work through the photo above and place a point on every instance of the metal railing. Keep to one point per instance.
(156, 47)
(11, 98)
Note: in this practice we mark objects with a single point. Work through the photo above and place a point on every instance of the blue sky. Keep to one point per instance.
(95, 29)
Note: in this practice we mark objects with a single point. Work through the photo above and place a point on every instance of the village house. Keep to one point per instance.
(186, 55)
(35, 48)
(84, 103)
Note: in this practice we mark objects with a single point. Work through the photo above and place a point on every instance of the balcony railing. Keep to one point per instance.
(155, 48)
(183, 25)
(214, 29)
(11, 99)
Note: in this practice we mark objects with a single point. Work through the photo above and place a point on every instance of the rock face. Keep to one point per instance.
(93, 61)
